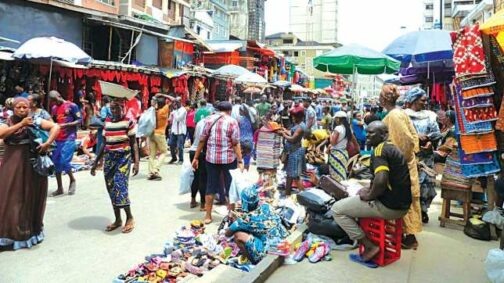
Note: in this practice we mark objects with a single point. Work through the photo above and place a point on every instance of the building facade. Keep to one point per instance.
(202, 24)
(238, 18)
(281, 39)
(461, 9)
(480, 13)
(256, 21)
(217, 9)
(314, 20)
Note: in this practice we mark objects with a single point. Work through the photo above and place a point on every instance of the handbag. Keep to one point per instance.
(333, 187)
(43, 165)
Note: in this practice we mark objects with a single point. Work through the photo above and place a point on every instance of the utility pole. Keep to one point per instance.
(441, 8)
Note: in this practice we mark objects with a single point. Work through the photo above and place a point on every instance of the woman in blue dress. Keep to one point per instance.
(246, 134)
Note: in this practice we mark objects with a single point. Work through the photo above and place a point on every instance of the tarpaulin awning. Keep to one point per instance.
(173, 73)
(262, 51)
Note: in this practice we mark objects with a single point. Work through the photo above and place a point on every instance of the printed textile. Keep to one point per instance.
(478, 143)
(468, 53)
(480, 114)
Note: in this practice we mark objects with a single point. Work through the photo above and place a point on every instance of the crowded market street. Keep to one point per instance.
(73, 223)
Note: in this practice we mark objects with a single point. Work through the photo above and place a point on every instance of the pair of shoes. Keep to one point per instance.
(172, 161)
(425, 217)
(409, 242)
(154, 177)
(302, 250)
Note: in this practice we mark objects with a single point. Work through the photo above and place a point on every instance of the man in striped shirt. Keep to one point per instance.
(221, 135)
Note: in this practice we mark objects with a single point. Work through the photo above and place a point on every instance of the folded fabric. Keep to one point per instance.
(480, 170)
(478, 143)
(468, 53)
(462, 126)
(477, 102)
(480, 114)
(477, 92)
(477, 81)
(477, 158)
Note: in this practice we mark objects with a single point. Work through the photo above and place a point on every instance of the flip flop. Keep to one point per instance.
(112, 227)
(358, 259)
(71, 189)
(207, 221)
(193, 204)
(56, 193)
(128, 227)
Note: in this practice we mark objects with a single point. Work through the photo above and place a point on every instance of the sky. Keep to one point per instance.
(375, 26)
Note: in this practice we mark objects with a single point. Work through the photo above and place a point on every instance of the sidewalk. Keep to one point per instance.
(444, 255)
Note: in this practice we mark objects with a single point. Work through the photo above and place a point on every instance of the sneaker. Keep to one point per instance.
(302, 250)
(425, 217)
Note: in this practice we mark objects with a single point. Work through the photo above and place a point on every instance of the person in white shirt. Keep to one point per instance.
(235, 113)
(178, 132)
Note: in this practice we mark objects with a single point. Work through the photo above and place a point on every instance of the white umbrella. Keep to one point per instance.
(231, 70)
(297, 88)
(51, 48)
(250, 78)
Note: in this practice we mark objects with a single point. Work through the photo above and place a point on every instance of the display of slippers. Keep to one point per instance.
(320, 252)
(302, 250)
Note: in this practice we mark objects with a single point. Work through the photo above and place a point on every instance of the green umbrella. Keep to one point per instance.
(353, 58)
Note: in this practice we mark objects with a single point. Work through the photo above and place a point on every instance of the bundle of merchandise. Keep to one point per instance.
(268, 149)
(474, 106)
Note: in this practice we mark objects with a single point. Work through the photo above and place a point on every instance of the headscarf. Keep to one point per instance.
(18, 100)
(249, 199)
(413, 94)
(389, 93)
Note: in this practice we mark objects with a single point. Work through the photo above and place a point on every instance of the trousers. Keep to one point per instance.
(157, 143)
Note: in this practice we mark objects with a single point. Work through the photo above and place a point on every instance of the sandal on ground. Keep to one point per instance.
(193, 204)
(207, 221)
(56, 193)
(130, 225)
(113, 226)
(71, 189)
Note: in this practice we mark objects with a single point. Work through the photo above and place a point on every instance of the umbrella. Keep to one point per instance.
(353, 58)
(115, 90)
(297, 88)
(252, 89)
(250, 78)
(231, 70)
(5, 39)
(51, 48)
(421, 46)
(282, 84)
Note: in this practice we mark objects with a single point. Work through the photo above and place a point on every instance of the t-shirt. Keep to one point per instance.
(201, 113)
(310, 116)
(162, 119)
(263, 108)
(387, 157)
(89, 142)
(358, 130)
(342, 141)
(190, 119)
(117, 134)
(67, 112)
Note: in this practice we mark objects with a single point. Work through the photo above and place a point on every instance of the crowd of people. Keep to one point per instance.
(222, 137)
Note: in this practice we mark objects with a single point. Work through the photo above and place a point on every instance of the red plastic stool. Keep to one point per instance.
(387, 234)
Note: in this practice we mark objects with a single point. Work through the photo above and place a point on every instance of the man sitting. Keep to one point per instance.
(389, 196)
(253, 230)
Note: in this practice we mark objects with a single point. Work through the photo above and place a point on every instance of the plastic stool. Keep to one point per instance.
(387, 234)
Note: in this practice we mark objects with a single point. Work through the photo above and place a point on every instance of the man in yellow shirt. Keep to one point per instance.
(157, 141)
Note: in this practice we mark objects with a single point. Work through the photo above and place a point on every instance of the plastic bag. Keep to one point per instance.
(494, 217)
(494, 265)
(186, 178)
(239, 182)
(43, 165)
(146, 123)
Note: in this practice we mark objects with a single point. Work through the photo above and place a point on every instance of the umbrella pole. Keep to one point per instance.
(49, 85)
(354, 87)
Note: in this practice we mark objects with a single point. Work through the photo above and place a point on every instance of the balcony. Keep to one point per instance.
(72, 2)
(462, 10)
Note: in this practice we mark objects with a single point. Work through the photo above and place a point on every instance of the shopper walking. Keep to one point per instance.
(178, 132)
(23, 192)
(119, 151)
(157, 141)
(68, 117)
(221, 136)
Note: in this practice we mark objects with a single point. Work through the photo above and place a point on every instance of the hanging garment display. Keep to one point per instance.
(478, 143)
(468, 53)
(480, 114)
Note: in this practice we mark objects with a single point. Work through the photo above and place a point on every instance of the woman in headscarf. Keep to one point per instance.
(23, 192)
(448, 138)
(120, 150)
(404, 136)
(246, 134)
(338, 156)
(425, 123)
(36, 107)
(295, 152)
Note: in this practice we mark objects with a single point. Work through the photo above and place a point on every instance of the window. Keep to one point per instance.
(448, 6)
(429, 6)
(198, 30)
(109, 2)
(429, 19)
(296, 53)
(169, 4)
(157, 3)
(235, 3)
(140, 3)
(288, 41)
(303, 53)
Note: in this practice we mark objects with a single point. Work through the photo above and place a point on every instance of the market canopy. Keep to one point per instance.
(494, 24)
(250, 78)
(343, 60)
(52, 48)
(421, 46)
(231, 70)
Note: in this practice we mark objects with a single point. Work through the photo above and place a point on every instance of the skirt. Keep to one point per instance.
(116, 171)
(23, 195)
(338, 160)
(295, 162)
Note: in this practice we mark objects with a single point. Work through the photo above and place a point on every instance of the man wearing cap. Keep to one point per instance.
(310, 114)
(221, 136)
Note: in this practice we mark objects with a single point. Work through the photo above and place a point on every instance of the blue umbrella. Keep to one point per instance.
(421, 46)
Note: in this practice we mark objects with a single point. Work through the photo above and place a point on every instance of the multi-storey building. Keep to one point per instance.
(281, 39)
(428, 14)
(460, 9)
(256, 22)
(217, 9)
(314, 20)
(238, 18)
(480, 13)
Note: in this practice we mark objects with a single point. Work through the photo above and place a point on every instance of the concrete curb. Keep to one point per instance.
(227, 274)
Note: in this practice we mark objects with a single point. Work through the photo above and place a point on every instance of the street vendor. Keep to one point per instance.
(88, 143)
(256, 228)
(389, 196)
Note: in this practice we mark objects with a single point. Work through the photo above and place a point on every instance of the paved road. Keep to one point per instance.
(77, 249)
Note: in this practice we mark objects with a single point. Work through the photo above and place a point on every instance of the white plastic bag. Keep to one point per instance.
(494, 217)
(186, 178)
(146, 123)
(494, 265)
(240, 181)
